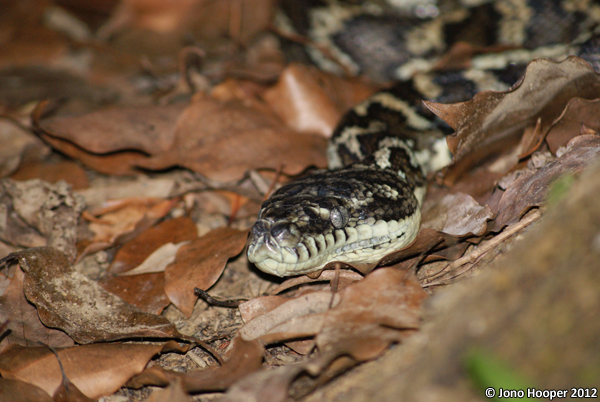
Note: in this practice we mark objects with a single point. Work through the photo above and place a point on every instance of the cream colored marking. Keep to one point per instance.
(391, 102)
(340, 235)
(424, 84)
(330, 240)
(288, 257)
(413, 67)
(312, 246)
(320, 242)
(325, 21)
(380, 228)
(426, 38)
(395, 142)
(502, 60)
(351, 235)
(420, 194)
(302, 252)
(348, 137)
(382, 158)
(364, 232)
(513, 26)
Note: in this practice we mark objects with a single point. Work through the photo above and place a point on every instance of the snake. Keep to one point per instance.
(367, 203)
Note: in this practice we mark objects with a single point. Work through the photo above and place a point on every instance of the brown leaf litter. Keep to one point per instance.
(67, 300)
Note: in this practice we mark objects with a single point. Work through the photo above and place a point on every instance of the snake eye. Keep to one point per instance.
(338, 217)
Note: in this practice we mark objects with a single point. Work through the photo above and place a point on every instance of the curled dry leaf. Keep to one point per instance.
(67, 300)
(244, 358)
(529, 191)
(69, 171)
(119, 220)
(491, 120)
(134, 252)
(145, 291)
(372, 314)
(149, 129)
(265, 385)
(291, 320)
(199, 264)
(458, 215)
(23, 320)
(96, 370)
(373, 310)
(113, 139)
(224, 139)
(446, 219)
(35, 208)
(309, 100)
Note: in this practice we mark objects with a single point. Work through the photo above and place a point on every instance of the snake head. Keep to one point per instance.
(355, 216)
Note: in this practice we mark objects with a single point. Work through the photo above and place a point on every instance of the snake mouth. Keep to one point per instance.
(281, 256)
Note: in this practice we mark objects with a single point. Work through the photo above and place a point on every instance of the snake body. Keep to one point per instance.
(367, 204)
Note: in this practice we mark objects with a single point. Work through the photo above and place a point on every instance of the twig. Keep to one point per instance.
(275, 179)
(480, 251)
(231, 303)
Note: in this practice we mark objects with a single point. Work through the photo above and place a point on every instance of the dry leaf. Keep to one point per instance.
(145, 292)
(20, 391)
(68, 392)
(245, 357)
(224, 139)
(370, 313)
(205, 20)
(577, 114)
(149, 129)
(493, 120)
(68, 300)
(457, 215)
(530, 191)
(96, 370)
(125, 218)
(68, 171)
(199, 264)
(173, 393)
(134, 252)
(23, 321)
(311, 101)
(158, 260)
(291, 320)
(97, 138)
(140, 187)
(36, 207)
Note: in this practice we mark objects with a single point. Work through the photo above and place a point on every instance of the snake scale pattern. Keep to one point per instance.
(367, 203)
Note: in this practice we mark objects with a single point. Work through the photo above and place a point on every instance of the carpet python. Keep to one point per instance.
(367, 203)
